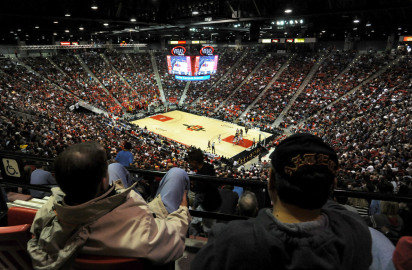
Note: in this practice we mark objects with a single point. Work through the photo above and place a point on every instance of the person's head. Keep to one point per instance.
(385, 187)
(195, 158)
(248, 205)
(127, 146)
(81, 172)
(389, 208)
(303, 171)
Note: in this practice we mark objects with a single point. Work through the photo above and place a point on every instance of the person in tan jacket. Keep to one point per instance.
(86, 215)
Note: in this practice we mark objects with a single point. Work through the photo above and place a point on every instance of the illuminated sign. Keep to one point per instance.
(195, 42)
(275, 40)
(179, 50)
(266, 40)
(299, 40)
(407, 38)
(174, 42)
(64, 43)
(289, 40)
(181, 42)
(75, 43)
(207, 50)
(192, 78)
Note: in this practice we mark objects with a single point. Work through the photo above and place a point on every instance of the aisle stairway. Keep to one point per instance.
(158, 81)
(87, 69)
(115, 70)
(221, 78)
(183, 97)
(369, 79)
(280, 71)
(243, 82)
(305, 82)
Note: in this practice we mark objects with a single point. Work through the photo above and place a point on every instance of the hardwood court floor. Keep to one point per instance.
(191, 129)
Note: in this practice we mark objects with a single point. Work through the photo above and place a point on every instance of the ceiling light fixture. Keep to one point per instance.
(67, 14)
(67, 30)
(81, 28)
(195, 12)
(37, 27)
(94, 6)
(132, 19)
(288, 10)
(55, 22)
(106, 24)
(368, 24)
(356, 21)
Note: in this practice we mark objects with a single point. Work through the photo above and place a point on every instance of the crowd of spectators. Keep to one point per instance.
(329, 84)
(249, 91)
(111, 81)
(82, 84)
(136, 70)
(276, 98)
(227, 58)
(211, 100)
(371, 130)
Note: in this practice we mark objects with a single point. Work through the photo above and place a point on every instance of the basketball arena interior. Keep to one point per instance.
(239, 134)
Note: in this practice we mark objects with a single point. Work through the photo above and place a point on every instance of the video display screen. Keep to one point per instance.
(179, 65)
(205, 65)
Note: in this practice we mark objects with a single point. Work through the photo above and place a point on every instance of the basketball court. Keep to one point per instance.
(191, 129)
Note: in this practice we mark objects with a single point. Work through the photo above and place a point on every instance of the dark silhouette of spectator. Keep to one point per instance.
(248, 204)
(302, 227)
(88, 215)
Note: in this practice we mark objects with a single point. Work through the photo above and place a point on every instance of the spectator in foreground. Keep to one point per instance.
(248, 205)
(41, 177)
(303, 230)
(86, 215)
(124, 157)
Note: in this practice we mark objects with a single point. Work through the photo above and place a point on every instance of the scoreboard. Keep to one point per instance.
(194, 67)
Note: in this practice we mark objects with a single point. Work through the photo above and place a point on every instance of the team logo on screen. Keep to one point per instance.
(207, 50)
(179, 50)
(194, 127)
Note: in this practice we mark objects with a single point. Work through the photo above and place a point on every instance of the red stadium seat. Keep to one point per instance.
(13, 244)
(20, 215)
(84, 262)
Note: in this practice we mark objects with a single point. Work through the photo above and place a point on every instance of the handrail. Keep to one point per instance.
(205, 178)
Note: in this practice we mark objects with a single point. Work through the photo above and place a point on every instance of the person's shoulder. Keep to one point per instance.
(234, 231)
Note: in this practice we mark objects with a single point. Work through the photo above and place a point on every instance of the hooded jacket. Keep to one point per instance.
(339, 240)
(113, 225)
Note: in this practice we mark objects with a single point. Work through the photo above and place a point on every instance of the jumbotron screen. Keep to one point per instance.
(179, 65)
(205, 65)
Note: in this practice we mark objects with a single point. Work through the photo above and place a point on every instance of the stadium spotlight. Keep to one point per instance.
(288, 10)
(356, 21)
(54, 34)
(106, 24)
(67, 14)
(67, 31)
(195, 13)
(37, 27)
(18, 30)
(368, 24)
(94, 6)
(81, 28)
(323, 31)
(55, 22)
(132, 19)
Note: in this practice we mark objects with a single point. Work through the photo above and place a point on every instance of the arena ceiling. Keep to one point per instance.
(46, 21)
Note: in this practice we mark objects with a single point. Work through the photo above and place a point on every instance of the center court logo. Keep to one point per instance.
(194, 127)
